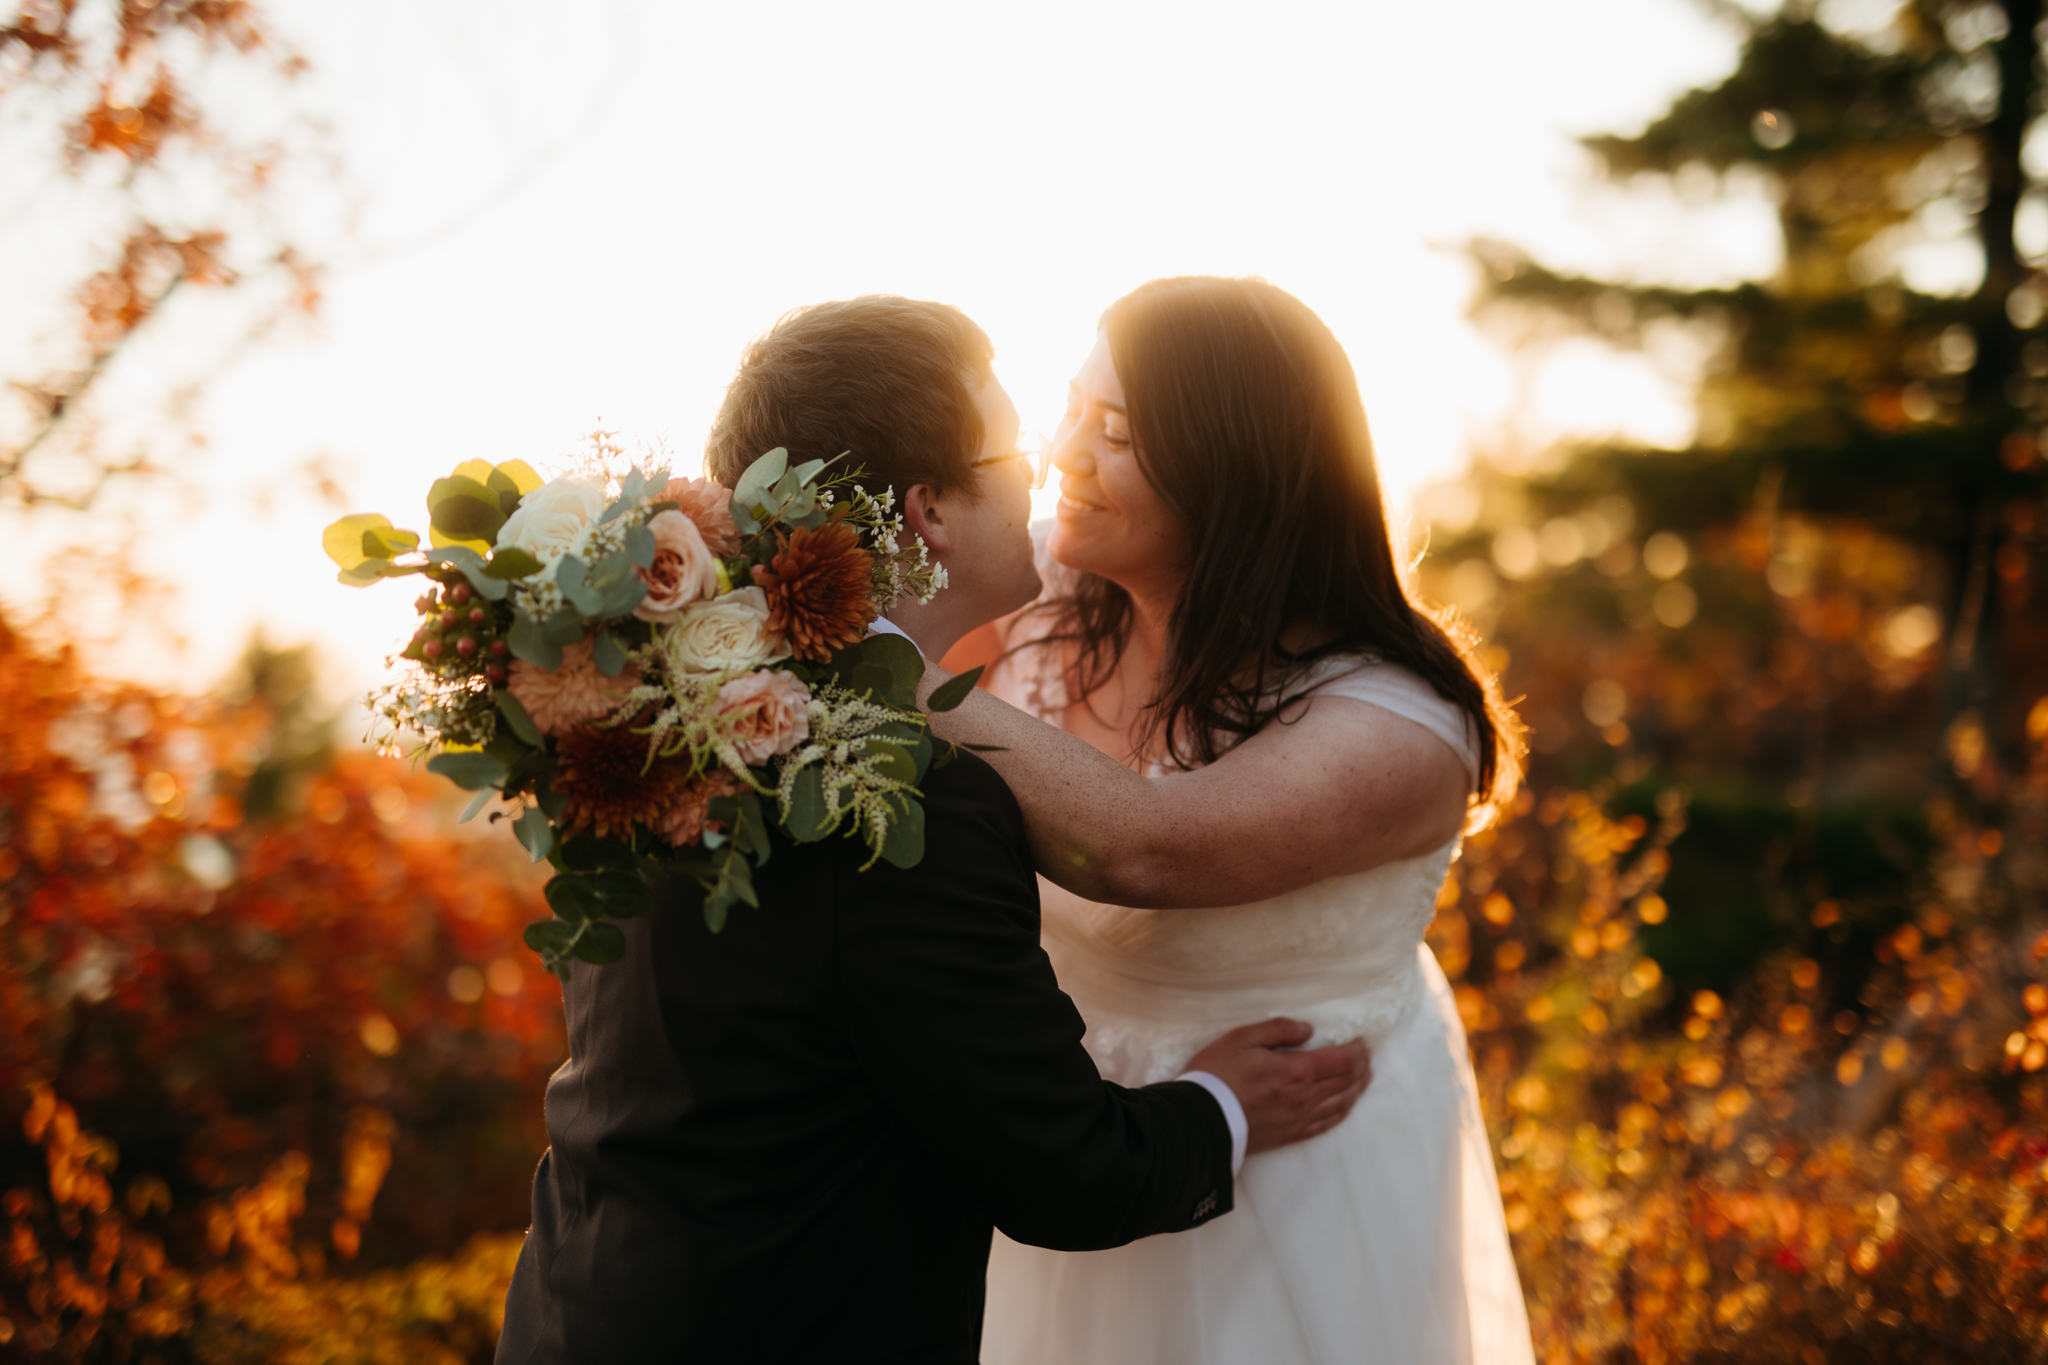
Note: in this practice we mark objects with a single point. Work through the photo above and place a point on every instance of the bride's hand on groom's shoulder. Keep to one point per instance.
(1287, 1096)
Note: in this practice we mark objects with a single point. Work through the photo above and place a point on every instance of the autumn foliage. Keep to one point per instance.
(250, 1051)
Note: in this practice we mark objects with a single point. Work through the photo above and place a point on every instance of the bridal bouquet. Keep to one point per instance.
(647, 670)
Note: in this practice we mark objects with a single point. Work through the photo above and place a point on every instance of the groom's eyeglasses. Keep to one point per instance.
(1033, 465)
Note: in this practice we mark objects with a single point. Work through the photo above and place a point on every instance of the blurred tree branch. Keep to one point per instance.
(119, 98)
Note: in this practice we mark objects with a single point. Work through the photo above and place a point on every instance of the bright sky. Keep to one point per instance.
(581, 214)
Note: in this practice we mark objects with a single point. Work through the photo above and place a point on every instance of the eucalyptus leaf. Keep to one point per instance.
(570, 576)
(549, 935)
(343, 540)
(750, 829)
(810, 469)
(458, 485)
(601, 943)
(809, 820)
(740, 876)
(565, 627)
(797, 505)
(511, 750)
(889, 666)
(516, 716)
(735, 880)
(551, 801)
(891, 760)
(760, 476)
(903, 846)
(622, 596)
(469, 770)
(634, 484)
(640, 546)
(384, 542)
(954, 690)
(472, 565)
(535, 832)
(529, 641)
(476, 803)
(607, 891)
(869, 678)
(509, 561)
(610, 658)
(617, 587)
(746, 826)
(461, 556)
(502, 484)
(463, 509)
(519, 473)
(367, 572)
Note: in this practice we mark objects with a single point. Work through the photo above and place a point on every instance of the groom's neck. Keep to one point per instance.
(936, 625)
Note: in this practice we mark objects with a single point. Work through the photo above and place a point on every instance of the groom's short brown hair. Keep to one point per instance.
(890, 379)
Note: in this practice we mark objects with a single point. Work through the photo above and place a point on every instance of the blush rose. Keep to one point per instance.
(767, 711)
(683, 570)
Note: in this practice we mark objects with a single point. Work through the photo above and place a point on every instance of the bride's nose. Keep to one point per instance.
(1071, 456)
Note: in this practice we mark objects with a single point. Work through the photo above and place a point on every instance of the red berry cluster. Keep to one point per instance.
(460, 633)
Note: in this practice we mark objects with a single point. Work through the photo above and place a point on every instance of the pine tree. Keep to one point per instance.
(1823, 609)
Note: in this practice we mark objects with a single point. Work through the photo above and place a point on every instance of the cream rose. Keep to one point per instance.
(683, 570)
(552, 519)
(724, 634)
(767, 712)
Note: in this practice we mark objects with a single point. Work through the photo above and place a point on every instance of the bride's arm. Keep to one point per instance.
(1343, 787)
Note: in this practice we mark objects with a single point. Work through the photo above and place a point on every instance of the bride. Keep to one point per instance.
(1268, 755)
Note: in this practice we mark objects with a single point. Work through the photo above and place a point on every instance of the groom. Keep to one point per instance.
(789, 1141)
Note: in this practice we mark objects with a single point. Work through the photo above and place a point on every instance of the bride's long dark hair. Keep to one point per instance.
(1246, 418)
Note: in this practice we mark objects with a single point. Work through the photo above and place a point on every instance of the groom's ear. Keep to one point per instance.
(925, 518)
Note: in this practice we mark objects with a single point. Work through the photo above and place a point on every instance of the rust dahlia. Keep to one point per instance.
(604, 774)
(820, 590)
(690, 815)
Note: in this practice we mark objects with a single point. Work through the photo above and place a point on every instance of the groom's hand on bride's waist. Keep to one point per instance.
(1287, 1096)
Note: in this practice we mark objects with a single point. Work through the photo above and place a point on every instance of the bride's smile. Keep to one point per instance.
(1111, 520)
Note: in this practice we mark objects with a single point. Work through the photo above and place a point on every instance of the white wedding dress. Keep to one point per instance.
(1379, 1242)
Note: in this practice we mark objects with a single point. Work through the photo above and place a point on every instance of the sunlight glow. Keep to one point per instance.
(567, 224)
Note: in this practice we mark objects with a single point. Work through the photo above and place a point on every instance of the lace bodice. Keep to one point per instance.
(1156, 985)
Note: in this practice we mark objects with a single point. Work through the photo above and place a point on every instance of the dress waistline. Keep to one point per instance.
(1371, 994)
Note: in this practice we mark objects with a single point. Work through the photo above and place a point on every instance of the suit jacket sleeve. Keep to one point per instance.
(961, 1025)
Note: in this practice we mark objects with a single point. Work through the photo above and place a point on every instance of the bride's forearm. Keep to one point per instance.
(1093, 823)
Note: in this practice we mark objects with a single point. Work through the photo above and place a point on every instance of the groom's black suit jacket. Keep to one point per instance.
(789, 1141)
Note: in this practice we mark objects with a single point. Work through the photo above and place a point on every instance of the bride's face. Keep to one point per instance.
(1111, 520)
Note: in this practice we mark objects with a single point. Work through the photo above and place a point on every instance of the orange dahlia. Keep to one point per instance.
(599, 770)
(686, 820)
(820, 590)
